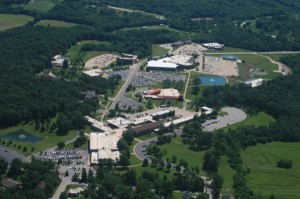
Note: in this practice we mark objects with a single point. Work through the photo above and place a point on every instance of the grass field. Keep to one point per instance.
(50, 139)
(41, 5)
(227, 173)
(275, 57)
(8, 21)
(134, 160)
(231, 49)
(157, 51)
(182, 152)
(261, 119)
(74, 50)
(262, 63)
(268, 179)
(56, 23)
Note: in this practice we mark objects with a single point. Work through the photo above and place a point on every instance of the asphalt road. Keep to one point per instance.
(134, 69)
(138, 151)
(8, 154)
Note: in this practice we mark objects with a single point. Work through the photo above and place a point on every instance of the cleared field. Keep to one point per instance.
(50, 139)
(268, 179)
(158, 51)
(134, 160)
(261, 119)
(262, 63)
(74, 51)
(8, 21)
(56, 23)
(41, 5)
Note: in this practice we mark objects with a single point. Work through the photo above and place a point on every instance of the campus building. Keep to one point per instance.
(214, 46)
(127, 59)
(171, 63)
(58, 60)
(255, 82)
(170, 94)
(104, 145)
(94, 73)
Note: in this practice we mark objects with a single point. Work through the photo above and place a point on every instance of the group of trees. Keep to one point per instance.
(31, 175)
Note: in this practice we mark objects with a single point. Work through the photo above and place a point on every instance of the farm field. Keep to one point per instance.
(56, 23)
(41, 5)
(8, 21)
(268, 179)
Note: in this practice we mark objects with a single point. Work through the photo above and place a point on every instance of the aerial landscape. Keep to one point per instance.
(149, 99)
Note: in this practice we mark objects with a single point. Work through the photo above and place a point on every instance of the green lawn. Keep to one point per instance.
(50, 139)
(268, 179)
(227, 173)
(41, 5)
(275, 57)
(8, 21)
(56, 23)
(262, 63)
(181, 151)
(134, 160)
(157, 51)
(261, 119)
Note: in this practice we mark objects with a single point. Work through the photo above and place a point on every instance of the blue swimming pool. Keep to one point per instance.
(212, 80)
(22, 136)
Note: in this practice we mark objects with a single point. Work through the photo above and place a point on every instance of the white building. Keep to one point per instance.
(214, 45)
(58, 60)
(255, 82)
(104, 145)
(119, 122)
(94, 72)
(170, 63)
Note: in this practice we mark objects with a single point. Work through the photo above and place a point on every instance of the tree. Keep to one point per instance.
(84, 178)
(63, 195)
(211, 161)
(122, 145)
(65, 64)
(61, 145)
(130, 177)
(75, 177)
(3, 166)
(128, 136)
(145, 162)
(15, 168)
(124, 160)
(67, 173)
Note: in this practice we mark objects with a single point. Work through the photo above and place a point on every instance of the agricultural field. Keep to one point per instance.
(41, 5)
(49, 139)
(8, 21)
(268, 179)
(56, 23)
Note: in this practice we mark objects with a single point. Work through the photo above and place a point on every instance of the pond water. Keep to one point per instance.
(22, 136)
(212, 80)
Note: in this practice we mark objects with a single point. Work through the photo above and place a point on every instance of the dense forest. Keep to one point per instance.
(238, 9)
(26, 51)
(38, 179)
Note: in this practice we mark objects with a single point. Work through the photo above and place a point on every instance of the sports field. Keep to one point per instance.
(268, 179)
(56, 23)
(8, 21)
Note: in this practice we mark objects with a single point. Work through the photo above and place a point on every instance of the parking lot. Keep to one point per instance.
(160, 76)
(125, 102)
(233, 116)
(141, 81)
(123, 73)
